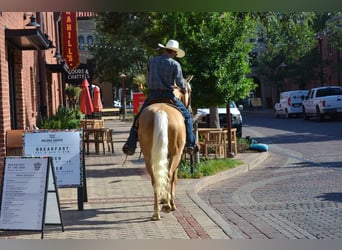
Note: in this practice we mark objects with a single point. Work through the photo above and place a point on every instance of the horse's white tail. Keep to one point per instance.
(159, 154)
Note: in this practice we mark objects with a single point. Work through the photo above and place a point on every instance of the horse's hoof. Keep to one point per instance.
(155, 217)
(166, 209)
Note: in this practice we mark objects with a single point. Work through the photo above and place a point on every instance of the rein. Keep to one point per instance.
(185, 97)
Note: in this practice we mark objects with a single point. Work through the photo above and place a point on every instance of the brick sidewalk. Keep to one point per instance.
(120, 202)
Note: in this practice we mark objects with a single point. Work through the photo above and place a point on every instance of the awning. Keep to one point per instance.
(27, 39)
(57, 68)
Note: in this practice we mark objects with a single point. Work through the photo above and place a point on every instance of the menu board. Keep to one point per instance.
(65, 149)
(23, 196)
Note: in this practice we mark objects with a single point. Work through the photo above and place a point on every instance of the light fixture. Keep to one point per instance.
(33, 22)
(61, 60)
(51, 46)
(57, 55)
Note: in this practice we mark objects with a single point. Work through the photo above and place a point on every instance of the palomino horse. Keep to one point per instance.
(162, 137)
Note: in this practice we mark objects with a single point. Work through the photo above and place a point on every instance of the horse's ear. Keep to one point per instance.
(189, 78)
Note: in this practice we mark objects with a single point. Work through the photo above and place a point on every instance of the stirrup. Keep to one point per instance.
(127, 150)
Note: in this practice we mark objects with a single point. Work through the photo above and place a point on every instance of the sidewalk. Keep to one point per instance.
(120, 201)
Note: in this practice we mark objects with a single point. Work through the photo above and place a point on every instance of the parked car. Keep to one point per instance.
(323, 101)
(290, 103)
(236, 118)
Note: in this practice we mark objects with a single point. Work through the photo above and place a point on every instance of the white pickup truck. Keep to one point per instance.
(323, 101)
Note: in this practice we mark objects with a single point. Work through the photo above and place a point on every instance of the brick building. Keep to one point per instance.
(31, 79)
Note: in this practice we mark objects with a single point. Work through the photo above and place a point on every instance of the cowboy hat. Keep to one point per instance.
(173, 45)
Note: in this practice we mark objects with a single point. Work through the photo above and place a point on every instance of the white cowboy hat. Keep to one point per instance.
(173, 45)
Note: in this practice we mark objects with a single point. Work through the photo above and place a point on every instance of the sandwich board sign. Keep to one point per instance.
(29, 195)
(65, 148)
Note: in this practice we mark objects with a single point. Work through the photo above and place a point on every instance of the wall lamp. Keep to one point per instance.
(33, 21)
(51, 46)
(58, 56)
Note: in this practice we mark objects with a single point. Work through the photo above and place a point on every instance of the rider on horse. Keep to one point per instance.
(163, 73)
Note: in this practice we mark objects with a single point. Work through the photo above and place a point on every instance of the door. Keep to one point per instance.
(12, 92)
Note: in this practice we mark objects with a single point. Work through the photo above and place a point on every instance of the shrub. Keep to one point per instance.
(206, 167)
(64, 119)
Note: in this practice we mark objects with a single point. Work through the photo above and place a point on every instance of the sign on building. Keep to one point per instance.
(70, 39)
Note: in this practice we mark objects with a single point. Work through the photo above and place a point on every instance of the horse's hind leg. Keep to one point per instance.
(173, 186)
(174, 162)
(156, 213)
(166, 206)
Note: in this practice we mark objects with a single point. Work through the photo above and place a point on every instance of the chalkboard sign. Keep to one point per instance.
(24, 197)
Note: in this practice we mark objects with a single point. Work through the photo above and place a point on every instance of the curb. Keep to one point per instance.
(193, 189)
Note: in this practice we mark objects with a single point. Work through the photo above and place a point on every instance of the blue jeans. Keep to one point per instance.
(190, 137)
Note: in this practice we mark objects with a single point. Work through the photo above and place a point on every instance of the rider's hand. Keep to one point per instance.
(183, 91)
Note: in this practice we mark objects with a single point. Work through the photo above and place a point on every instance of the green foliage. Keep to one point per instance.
(72, 93)
(334, 26)
(217, 47)
(64, 119)
(288, 38)
(243, 145)
(123, 44)
(140, 82)
(206, 167)
(216, 53)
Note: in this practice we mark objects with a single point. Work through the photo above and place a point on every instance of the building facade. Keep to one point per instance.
(31, 81)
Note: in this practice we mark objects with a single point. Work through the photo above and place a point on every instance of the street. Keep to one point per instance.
(296, 193)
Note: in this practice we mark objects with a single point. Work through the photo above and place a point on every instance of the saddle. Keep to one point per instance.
(162, 100)
(167, 101)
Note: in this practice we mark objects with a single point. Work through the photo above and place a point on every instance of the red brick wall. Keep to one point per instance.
(26, 74)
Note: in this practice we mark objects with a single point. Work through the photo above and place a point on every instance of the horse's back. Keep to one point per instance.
(176, 125)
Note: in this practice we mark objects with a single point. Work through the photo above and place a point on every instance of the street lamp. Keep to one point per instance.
(320, 38)
(282, 65)
(123, 95)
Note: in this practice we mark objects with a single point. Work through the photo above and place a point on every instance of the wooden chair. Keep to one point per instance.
(109, 139)
(213, 141)
(14, 142)
(92, 123)
(93, 132)
(96, 136)
(100, 138)
(234, 140)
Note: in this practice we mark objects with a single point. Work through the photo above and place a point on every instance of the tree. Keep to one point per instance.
(215, 44)
(333, 28)
(217, 48)
(123, 44)
(287, 38)
(216, 53)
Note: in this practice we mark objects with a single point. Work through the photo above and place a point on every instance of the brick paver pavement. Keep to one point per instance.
(120, 202)
(287, 197)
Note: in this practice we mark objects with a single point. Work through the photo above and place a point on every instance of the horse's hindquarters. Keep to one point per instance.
(162, 138)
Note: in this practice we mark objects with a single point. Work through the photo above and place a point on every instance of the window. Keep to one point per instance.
(81, 43)
(90, 40)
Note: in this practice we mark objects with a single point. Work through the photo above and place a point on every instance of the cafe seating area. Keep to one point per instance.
(214, 142)
(95, 133)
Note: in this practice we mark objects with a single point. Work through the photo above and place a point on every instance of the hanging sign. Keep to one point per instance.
(70, 39)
